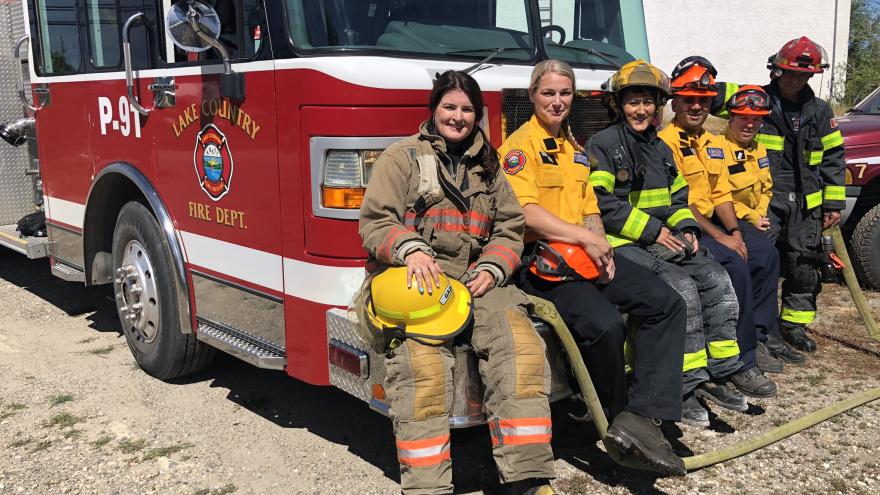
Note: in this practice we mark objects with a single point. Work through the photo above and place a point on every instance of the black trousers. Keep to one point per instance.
(755, 282)
(593, 313)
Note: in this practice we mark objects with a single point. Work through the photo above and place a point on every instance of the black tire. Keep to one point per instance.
(144, 274)
(865, 245)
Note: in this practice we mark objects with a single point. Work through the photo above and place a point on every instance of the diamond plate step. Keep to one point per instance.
(241, 345)
(67, 272)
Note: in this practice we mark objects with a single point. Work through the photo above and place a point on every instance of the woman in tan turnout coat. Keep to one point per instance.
(436, 203)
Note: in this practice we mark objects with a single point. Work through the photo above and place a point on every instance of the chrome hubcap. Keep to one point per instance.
(136, 294)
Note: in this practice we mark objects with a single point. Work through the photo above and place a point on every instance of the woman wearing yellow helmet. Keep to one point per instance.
(437, 206)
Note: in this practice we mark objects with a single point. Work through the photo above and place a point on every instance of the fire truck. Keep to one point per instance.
(208, 158)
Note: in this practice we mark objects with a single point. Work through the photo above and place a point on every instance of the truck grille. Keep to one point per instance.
(588, 114)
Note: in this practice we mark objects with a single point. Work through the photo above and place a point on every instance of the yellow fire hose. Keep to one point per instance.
(849, 276)
(547, 312)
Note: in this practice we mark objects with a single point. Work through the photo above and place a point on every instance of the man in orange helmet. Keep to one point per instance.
(806, 162)
(744, 253)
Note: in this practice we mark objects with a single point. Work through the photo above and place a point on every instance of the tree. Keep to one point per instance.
(863, 59)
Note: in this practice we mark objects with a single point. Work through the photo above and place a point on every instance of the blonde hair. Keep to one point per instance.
(563, 69)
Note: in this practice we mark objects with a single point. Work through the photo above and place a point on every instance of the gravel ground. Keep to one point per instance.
(78, 416)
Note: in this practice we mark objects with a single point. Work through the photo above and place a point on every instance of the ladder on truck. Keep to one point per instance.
(545, 12)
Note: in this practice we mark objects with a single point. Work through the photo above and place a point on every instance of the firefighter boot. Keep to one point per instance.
(753, 383)
(722, 395)
(693, 413)
(641, 437)
(784, 351)
(767, 361)
(797, 337)
(531, 486)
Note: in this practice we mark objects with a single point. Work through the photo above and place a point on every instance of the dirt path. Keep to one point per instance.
(78, 416)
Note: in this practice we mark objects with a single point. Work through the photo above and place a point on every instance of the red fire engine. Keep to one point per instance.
(208, 158)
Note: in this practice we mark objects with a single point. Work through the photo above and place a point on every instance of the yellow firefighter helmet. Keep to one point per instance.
(638, 73)
(429, 318)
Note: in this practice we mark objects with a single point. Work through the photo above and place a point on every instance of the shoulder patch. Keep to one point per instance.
(715, 153)
(514, 161)
(833, 123)
(582, 159)
(764, 162)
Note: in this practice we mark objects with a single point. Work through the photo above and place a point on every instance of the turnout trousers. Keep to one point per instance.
(710, 348)
(514, 370)
(797, 233)
(755, 282)
(593, 313)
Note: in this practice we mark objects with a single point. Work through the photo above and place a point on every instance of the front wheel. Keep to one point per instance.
(865, 244)
(146, 298)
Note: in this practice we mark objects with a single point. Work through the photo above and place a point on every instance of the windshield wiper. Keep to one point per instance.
(495, 53)
(604, 56)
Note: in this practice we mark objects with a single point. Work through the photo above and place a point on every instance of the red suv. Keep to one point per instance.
(861, 219)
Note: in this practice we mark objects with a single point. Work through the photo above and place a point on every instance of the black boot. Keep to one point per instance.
(753, 383)
(724, 396)
(531, 486)
(767, 361)
(784, 351)
(797, 337)
(693, 413)
(641, 437)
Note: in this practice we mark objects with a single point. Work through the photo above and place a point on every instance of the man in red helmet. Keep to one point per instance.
(806, 163)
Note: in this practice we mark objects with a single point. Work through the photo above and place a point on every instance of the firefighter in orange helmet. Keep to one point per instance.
(805, 148)
(745, 253)
(549, 173)
(438, 207)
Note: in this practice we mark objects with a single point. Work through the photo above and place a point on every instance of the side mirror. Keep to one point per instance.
(195, 27)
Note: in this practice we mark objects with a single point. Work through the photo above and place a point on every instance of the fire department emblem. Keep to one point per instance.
(213, 162)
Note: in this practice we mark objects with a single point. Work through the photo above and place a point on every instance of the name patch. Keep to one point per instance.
(715, 153)
(582, 159)
(764, 162)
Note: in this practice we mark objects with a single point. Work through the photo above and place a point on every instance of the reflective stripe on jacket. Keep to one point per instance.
(701, 163)
(809, 162)
(638, 187)
(480, 227)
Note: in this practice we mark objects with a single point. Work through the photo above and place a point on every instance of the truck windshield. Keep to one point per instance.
(582, 32)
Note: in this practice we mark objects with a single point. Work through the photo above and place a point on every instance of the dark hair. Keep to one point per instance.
(453, 79)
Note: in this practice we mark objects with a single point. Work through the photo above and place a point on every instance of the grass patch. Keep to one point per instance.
(128, 446)
(11, 409)
(223, 490)
(41, 445)
(57, 400)
(63, 420)
(73, 434)
(21, 442)
(815, 379)
(87, 340)
(102, 441)
(100, 351)
(155, 453)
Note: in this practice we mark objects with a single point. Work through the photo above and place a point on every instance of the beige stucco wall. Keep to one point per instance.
(738, 36)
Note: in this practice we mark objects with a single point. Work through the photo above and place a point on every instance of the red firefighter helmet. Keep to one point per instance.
(749, 100)
(801, 55)
(694, 76)
(559, 261)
